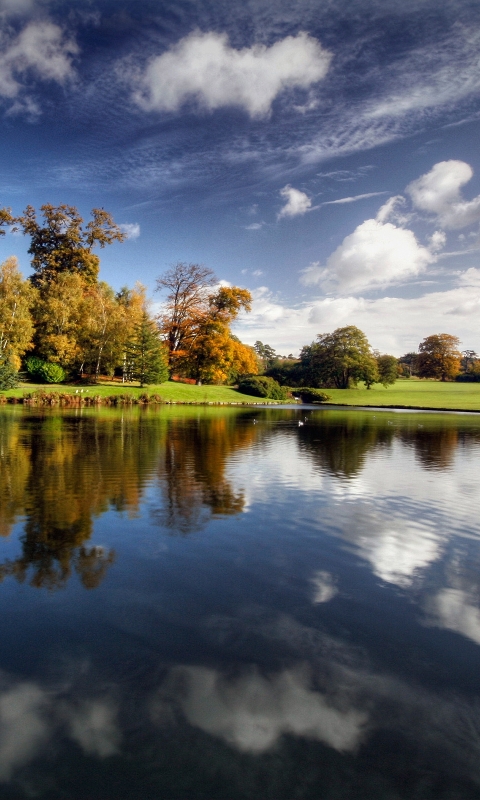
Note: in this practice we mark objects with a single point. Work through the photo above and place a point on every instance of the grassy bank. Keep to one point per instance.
(110, 393)
(413, 394)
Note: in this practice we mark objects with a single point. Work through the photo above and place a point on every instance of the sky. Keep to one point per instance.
(322, 154)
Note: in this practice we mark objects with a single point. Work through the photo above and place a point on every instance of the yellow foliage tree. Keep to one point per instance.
(16, 323)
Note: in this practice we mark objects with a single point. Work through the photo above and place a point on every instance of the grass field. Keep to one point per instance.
(170, 392)
(403, 394)
(412, 393)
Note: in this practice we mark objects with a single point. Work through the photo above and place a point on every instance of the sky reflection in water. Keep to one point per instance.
(197, 605)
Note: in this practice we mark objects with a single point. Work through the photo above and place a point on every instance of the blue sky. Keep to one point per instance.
(322, 154)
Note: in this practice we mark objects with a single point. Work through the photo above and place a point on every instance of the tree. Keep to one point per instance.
(214, 354)
(387, 369)
(439, 357)
(188, 286)
(146, 355)
(59, 320)
(266, 354)
(16, 323)
(339, 359)
(61, 243)
(408, 364)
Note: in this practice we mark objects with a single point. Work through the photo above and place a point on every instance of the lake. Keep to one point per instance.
(239, 604)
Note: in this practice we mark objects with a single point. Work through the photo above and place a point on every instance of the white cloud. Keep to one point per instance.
(438, 192)
(353, 199)
(452, 609)
(31, 716)
(252, 712)
(297, 202)
(204, 67)
(393, 324)
(324, 587)
(375, 254)
(131, 229)
(255, 226)
(41, 49)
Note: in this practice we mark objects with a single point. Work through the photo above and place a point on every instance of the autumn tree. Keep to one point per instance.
(188, 287)
(60, 242)
(59, 320)
(339, 359)
(16, 323)
(439, 357)
(102, 331)
(214, 355)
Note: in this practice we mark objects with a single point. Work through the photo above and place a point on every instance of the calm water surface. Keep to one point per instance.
(225, 604)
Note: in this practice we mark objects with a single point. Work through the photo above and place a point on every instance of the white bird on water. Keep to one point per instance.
(300, 423)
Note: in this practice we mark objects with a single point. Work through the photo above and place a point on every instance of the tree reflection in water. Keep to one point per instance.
(60, 471)
(192, 476)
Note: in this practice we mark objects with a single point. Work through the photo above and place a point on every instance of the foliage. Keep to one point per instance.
(313, 395)
(146, 356)
(188, 286)
(288, 372)
(50, 373)
(32, 365)
(266, 354)
(8, 375)
(261, 386)
(439, 357)
(387, 369)
(340, 359)
(60, 243)
(16, 322)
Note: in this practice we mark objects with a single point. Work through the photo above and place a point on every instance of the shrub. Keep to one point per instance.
(8, 375)
(261, 386)
(43, 371)
(313, 395)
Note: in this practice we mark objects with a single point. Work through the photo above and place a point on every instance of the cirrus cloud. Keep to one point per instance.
(204, 67)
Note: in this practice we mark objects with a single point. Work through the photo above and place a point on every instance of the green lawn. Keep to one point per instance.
(404, 393)
(412, 393)
(169, 392)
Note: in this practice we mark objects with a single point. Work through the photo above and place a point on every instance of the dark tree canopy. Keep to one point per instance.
(60, 242)
(339, 359)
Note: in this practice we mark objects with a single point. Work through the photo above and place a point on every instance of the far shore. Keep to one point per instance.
(415, 395)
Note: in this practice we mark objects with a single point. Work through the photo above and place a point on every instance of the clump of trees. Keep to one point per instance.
(73, 323)
(439, 358)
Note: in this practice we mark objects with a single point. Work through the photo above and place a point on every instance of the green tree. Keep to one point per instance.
(439, 357)
(61, 243)
(146, 354)
(266, 354)
(339, 359)
(387, 369)
(16, 322)
(8, 374)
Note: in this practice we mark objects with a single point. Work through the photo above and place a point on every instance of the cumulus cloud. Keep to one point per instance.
(41, 49)
(252, 712)
(31, 716)
(375, 254)
(131, 229)
(438, 192)
(453, 609)
(393, 324)
(297, 202)
(204, 67)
